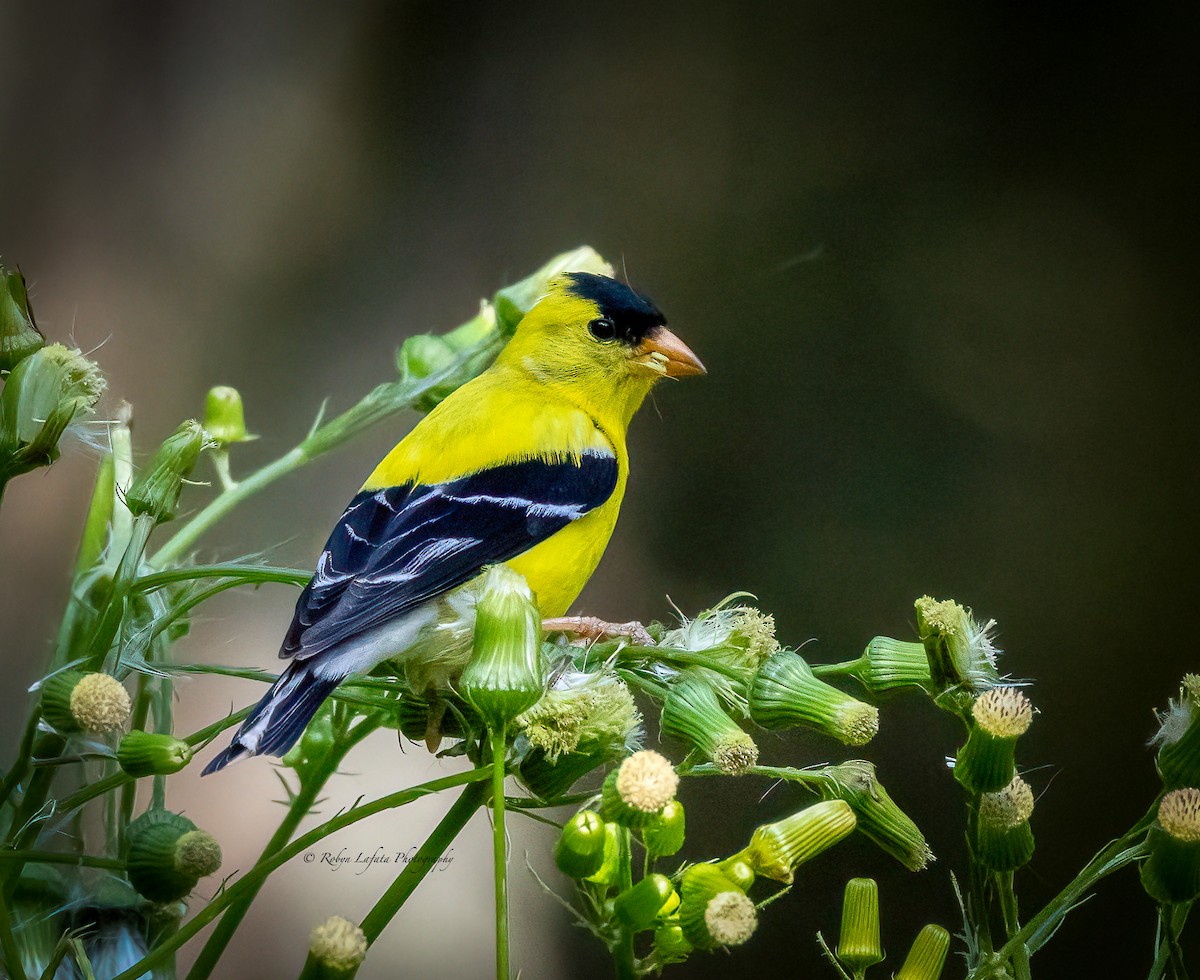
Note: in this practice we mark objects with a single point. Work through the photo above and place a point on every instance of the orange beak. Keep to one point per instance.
(665, 354)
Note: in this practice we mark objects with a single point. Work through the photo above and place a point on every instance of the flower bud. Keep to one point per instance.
(336, 948)
(858, 945)
(224, 416)
(985, 763)
(927, 956)
(670, 944)
(506, 674)
(167, 855)
(777, 849)
(610, 868)
(73, 701)
(663, 834)
(714, 911)
(157, 488)
(960, 651)
(638, 789)
(152, 754)
(1004, 840)
(19, 335)
(738, 870)
(638, 906)
(1172, 871)
(548, 780)
(879, 818)
(1179, 737)
(785, 694)
(513, 302)
(47, 391)
(887, 664)
(692, 712)
(579, 851)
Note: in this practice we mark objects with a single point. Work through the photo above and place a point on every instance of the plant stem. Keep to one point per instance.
(623, 949)
(60, 857)
(254, 574)
(254, 878)
(20, 765)
(414, 872)
(500, 851)
(301, 804)
(1008, 908)
(8, 943)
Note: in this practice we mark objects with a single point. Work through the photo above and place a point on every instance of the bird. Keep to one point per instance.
(526, 465)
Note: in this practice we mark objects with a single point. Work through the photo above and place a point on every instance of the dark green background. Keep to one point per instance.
(939, 258)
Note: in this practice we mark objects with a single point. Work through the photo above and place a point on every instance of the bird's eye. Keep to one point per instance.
(603, 329)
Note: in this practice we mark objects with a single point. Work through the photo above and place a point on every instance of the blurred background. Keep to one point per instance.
(939, 259)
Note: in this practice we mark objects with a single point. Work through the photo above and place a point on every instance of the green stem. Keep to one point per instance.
(253, 574)
(623, 960)
(500, 851)
(24, 757)
(8, 943)
(1008, 909)
(254, 878)
(59, 857)
(979, 908)
(414, 872)
(301, 804)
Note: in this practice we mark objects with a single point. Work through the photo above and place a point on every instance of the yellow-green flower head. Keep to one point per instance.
(728, 922)
(777, 849)
(152, 754)
(745, 633)
(167, 855)
(1171, 873)
(692, 711)
(1178, 737)
(338, 944)
(157, 489)
(786, 693)
(582, 708)
(879, 817)
(197, 853)
(960, 650)
(927, 956)
(887, 664)
(224, 415)
(858, 944)
(506, 675)
(73, 701)
(1004, 839)
(639, 788)
(985, 763)
(1003, 711)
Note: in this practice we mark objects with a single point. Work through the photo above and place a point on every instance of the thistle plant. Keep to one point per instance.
(99, 875)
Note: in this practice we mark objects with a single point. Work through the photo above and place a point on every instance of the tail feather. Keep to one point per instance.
(278, 720)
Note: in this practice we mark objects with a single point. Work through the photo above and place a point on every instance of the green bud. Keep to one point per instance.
(224, 416)
(610, 868)
(336, 949)
(639, 906)
(960, 651)
(157, 488)
(777, 849)
(713, 910)
(691, 711)
(985, 763)
(166, 855)
(548, 779)
(19, 335)
(513, 302)
(663, 834)
(1004, 840)
(737, 869)
(879, 818)
(152, 754)
(1171, 873)
(887, 664)
(670, 944)
(73, 701)
(927, 956)
(858, 945)
(1179, 737)
(785, 693)
(506, 674)
(47, 391)
(639, 789)
(579, 851)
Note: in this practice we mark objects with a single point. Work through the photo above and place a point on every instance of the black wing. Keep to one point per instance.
(396, 547)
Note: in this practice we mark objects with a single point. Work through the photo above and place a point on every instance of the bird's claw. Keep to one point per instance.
(594, 628)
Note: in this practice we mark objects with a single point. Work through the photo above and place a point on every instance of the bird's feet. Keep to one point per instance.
(593, 628)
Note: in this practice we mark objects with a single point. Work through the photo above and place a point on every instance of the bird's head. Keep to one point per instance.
(595, 337)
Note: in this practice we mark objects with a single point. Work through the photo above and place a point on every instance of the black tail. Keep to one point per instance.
(280, 717)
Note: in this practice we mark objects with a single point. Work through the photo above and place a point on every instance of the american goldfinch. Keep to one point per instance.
(526, 465)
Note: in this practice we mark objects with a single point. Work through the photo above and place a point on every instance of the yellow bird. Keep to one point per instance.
(526, 465)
